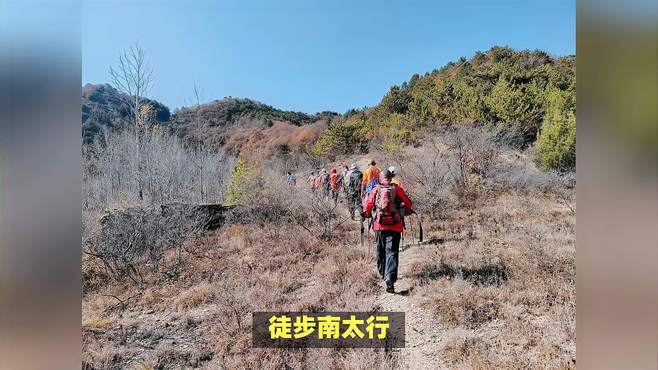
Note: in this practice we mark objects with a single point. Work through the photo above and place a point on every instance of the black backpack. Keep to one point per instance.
(355, 180)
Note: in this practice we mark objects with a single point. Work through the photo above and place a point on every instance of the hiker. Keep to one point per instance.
(396, 179)
(334, 182)
(344, 179)
(325, 183)
(291, 179)
(353, 189)
(312, 181)
(390, 203)
(370, 178)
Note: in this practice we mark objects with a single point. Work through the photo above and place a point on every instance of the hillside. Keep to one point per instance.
(252, 128)
(255, 129)
(527, 92)
(103, 107)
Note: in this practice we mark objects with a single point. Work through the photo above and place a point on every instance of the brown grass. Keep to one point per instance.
(502, 280)
(202, 318)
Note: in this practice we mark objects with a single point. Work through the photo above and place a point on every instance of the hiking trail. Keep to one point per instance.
(423, 332)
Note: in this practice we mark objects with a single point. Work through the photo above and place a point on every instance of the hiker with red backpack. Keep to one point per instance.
(390, 204)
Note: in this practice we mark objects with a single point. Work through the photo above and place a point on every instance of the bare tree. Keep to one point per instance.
(134, 77)
(198, 95)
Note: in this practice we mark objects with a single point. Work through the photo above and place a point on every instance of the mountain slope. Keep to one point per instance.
(499, 86)
(103, 107)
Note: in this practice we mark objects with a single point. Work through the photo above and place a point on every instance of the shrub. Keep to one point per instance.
(133, 241)
(148, 166)
(557, 138)
(237, 188)
(344, 137)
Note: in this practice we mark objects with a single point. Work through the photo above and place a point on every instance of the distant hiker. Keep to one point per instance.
(390, 203)
(396, 179)
(312, 182)
(370, 178)
(291, 179)
(335, 183)
(344, 179)
(324, 183)
(353, 189)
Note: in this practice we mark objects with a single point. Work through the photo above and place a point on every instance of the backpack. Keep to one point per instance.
(334, 181)
(374, 182)
(354, 182)
(326, 181)
(387, 205)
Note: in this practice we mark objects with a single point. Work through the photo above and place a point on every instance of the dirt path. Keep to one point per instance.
(423, 332)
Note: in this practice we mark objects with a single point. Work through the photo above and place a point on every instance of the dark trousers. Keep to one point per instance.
(388, 248)
(354, 203)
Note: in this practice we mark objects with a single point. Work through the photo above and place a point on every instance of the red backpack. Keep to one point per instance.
(386, 205)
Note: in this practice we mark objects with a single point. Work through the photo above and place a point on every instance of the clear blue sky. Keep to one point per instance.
(310, 55)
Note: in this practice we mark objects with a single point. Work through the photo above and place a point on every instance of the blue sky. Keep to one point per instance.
(309, 55)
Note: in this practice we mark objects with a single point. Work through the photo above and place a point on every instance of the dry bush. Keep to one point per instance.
(460, 165)
(148, 166)
(272, 202)
(132, 242)
(450, 170)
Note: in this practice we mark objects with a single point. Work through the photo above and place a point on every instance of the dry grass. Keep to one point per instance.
(203, 317)
(194, 296)
(501, 278)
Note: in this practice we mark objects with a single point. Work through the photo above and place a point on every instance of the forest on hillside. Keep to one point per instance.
(530, 94)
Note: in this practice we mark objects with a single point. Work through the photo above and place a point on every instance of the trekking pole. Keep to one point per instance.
(404, 226)
(420, 227)
(362, 230)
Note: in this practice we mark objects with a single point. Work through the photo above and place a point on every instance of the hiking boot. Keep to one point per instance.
(389, 287)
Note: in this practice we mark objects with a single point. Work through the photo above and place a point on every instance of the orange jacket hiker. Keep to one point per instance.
(370, 178)
(334, 179)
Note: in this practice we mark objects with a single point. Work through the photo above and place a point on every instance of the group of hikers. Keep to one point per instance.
(376, 195)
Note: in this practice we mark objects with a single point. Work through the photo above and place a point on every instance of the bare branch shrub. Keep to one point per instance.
(457, 162)
(273, 203)
(143, 172)
(116, 164)
(472, 156)
(133, 241)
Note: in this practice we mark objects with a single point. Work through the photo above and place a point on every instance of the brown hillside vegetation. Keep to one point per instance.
(257, 143)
